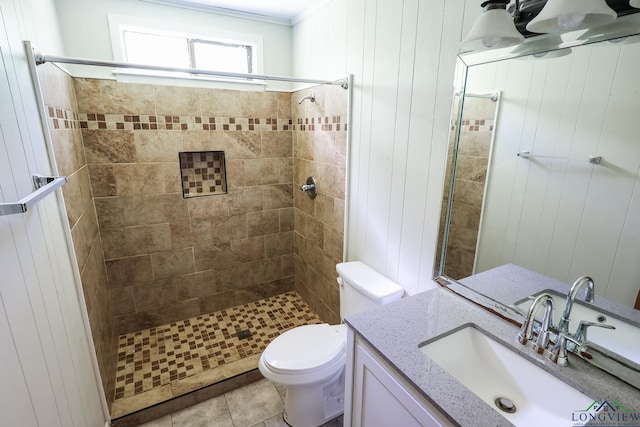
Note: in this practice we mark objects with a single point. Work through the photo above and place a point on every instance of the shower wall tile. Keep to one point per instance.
(243, 144)
(158, 316)
(103, 180)
(196, 285)
(113, 97)
(276, 144)
(177, 101)
(264, 222)
(213, 252)
(68, 150)
(122, 300)
(278, 244)
(202, 208)
(64, 127)
(116, 146)
(172, 263)
(171, 175)
(324, 209)
(143, 239)
(277, 196)
(247, 250)
(77, 195)
(320, 147)
(213, 256)
(127, 271)
(160, 208)
(245, 199)
(135, 179)
(218, 301)
(155, 294)
(84, 235)
(286, 220)
(158, 146)
(476, 131)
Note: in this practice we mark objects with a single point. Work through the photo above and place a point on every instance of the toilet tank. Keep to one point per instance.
(363, 288)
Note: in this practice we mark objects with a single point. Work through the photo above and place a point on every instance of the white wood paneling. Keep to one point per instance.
(556, 213)
(402, 56)
(47, 368)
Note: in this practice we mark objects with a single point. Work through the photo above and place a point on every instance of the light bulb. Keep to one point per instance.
(568, 22)
(490, 41)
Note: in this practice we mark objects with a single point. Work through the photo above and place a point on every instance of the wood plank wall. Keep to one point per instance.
(402, 55)
(47, 370)
(565, 217)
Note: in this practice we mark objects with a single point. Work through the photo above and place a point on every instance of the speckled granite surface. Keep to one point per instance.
(511, 283)
(397, 330)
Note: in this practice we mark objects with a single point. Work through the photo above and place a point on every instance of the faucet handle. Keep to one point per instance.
(581, 331)
(559, 351)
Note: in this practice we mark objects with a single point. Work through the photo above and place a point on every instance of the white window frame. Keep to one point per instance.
(119, 23)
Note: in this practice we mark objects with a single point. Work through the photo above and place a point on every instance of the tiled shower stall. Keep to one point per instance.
(472, 166)
(153, 253)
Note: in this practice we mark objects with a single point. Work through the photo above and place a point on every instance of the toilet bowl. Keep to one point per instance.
(310, 360)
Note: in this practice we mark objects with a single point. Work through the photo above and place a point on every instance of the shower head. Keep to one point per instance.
(311, 98)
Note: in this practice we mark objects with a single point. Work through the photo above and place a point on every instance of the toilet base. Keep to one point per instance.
(315, 404)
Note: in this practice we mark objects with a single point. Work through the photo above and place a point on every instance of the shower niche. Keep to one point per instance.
(203, 173)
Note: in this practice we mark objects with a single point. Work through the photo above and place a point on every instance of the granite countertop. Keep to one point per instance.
(511, 283)
(396, 330)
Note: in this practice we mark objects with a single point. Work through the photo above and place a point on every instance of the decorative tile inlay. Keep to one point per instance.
(476, 125)
(203, 173)
(324, 124)
(95, 121)
(60, 118)
(158, 356)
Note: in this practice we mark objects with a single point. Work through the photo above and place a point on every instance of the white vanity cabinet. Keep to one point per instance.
(376, 395)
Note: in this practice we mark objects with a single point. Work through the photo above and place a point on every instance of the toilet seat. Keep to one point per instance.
(306, 349)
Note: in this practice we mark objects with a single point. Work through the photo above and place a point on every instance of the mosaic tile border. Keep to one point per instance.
(476, 125)
(170, 353)
(97, 121)
(60, 118)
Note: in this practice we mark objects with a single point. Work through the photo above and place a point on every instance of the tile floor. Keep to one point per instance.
(157, 364)
(258, 404)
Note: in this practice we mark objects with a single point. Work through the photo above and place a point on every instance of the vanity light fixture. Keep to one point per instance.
(495, 28)
(559, 16)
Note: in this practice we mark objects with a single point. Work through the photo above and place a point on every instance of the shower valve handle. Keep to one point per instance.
(310, 187)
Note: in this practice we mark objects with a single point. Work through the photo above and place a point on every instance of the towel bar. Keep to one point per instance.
(45, 185)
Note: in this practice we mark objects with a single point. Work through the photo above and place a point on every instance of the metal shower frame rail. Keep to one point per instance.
(41, 59)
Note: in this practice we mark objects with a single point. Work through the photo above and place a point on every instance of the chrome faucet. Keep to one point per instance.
(547, 335)
(581, 332)
(563, 324)
(526, 331)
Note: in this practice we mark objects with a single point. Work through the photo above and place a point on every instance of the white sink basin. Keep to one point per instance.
(623, 340)
(492, 371)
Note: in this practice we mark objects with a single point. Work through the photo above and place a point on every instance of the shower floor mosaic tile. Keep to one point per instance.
(177, 354)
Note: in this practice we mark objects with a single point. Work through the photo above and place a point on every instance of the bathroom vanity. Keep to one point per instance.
(390, 377)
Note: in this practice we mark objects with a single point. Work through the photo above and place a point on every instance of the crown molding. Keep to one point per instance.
(222, 11)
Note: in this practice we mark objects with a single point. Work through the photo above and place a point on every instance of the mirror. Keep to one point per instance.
(556, 189)
(562, 168)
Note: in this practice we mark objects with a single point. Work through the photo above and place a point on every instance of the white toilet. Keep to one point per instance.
(310, 360)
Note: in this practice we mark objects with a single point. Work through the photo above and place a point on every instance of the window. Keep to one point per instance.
(182, 51)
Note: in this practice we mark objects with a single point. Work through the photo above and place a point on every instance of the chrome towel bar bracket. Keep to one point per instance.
(44, 185)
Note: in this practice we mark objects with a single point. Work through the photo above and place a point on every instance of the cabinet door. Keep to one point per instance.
(381, 398)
